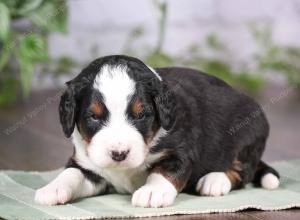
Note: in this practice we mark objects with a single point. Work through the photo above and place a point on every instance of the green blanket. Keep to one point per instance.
(17, 191)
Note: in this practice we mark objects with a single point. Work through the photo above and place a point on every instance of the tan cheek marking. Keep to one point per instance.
(84, 135)
(149, 137)
(86, 138)
(97, 108)
(137, 107)
(233, 174)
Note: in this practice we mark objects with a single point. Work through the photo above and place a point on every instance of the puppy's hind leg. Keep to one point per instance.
(220, 183)
(245, 169)
(67, 186)
(266, 177)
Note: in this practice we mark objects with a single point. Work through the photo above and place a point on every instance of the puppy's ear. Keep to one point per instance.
(67, 110)
(165, 105)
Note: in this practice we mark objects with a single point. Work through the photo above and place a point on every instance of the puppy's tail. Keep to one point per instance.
(266, 176)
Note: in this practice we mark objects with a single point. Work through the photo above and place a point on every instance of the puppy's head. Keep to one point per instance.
(115, 107)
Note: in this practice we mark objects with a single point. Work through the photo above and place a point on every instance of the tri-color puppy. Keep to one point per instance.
(155, 133)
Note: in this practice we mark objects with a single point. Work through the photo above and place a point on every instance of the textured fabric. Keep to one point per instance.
(17, 191)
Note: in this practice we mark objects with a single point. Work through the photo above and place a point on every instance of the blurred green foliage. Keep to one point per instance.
(274, 58)
(21, 49)
(213, 57)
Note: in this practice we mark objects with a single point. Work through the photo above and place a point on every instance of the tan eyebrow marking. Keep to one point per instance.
(137, 107)
(97, 108)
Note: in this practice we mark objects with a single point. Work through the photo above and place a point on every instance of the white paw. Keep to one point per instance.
(53, 194)
(214, 184)
(153, 197)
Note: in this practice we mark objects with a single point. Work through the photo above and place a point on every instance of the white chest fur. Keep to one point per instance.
(126, 181)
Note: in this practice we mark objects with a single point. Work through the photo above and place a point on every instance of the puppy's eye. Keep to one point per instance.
(141, 116)
(95, 117)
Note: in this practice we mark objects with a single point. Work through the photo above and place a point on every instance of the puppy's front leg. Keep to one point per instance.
(68, 185)
(163, 184)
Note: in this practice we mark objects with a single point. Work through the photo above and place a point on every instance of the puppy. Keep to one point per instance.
(156, 133)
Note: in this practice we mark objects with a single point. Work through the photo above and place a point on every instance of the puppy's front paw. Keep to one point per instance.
(153, 197)
(214, 184)
(53, 194)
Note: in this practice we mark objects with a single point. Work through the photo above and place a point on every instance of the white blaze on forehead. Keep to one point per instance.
(116, 87)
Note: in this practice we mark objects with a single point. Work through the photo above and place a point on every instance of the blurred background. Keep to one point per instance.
(252, 45)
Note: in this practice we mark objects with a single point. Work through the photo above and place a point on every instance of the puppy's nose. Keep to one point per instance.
(119, 155)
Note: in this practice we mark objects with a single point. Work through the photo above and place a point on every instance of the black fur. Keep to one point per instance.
(68, 106)
(93, 177)
(166, 106)
(207, 110)
(67, 111)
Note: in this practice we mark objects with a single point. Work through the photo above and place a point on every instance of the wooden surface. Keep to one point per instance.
(31, 139)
